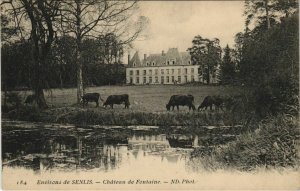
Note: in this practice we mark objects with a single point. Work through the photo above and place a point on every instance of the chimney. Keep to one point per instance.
(128, 58)
(145, 56)
(162, 53)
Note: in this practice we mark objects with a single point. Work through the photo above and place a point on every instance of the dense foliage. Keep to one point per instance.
(227, 69)
(17, 64)
(207, 54)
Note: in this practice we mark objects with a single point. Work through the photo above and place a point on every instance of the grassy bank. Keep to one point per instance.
(101, 116)
(274, 143)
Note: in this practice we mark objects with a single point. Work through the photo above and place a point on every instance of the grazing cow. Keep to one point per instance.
(209, 101)
(91, 97)
(181, 100)
(29, 99)
(117, 99)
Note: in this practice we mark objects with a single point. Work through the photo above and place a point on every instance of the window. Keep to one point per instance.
(168, 79)
(131, 72)
(137, 80)
(192, 70)
(150, 72)
(189, 62)
(179, 79)
(172, 79)
(156, 79)
(134, 64)
(185, 78)
(145, 80)
(168, 63)
(172, 71)
(173, 62)
(162, 71)
(145, 72)
(153, 63)
(150, 79)
(131, 81)
(185, 70)
(137, 72)
(192, 78)
(147, 64)
(179, 71)
(167, 71)
(156, 71)
(162, 80)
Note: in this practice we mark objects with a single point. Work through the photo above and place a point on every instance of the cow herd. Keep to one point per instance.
(188, 100)
(175, 101)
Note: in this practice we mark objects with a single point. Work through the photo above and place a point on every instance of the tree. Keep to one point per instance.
(260, 9)
(40, 15)
(63, 58)
(268, 11)
(207, 54)
(227, 68)
(270, 65)
(92, 18)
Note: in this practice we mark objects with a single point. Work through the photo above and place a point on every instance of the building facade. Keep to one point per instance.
(173, 67)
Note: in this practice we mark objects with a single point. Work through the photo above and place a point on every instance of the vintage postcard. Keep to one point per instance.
(150, 95)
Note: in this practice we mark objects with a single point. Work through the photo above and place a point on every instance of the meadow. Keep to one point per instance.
(148, 107)
(148, 98)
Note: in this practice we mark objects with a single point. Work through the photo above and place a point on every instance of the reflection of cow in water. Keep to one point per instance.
(91, 97)
(209, 101)
(180, 141)
(181, 100)
(117, 99)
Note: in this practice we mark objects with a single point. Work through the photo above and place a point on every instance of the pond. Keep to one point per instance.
(112, 152)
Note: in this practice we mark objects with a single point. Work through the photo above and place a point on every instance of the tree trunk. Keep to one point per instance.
(80, 90)
(40, 98)
(267, 14)
(208, 76)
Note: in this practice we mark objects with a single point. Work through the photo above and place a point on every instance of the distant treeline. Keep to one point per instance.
(101, 64)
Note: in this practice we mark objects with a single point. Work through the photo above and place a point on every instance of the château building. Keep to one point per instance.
(172, 67)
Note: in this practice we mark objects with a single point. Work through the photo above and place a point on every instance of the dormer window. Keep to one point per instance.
(153, 63)
(173, 62)
(147, 64)
(134, 64)
(189, 62)
(168, 63)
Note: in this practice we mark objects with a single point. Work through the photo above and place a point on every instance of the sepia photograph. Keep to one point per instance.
(150, 95)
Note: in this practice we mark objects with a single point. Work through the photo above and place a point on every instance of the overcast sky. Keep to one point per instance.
(175, 23)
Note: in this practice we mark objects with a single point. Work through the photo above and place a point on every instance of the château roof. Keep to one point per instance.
(135, 61)
(172, 57)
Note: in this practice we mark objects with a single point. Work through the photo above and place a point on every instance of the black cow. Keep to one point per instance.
(209, 101)
(181, 100)
(91, 97)
(29, 99)
(117, 99)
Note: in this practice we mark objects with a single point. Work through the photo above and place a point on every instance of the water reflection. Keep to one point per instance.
(53, 148)
(48, 149)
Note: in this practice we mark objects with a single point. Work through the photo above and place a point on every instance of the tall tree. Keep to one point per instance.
(40, 15)
(268, 11)
(89, 19)
(207, 54)
(227, 69)
(258, 8)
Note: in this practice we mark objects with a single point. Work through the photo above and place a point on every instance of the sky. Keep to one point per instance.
(173, 24)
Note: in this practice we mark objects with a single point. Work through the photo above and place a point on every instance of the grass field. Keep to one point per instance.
(148, 107)
(151, 98)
